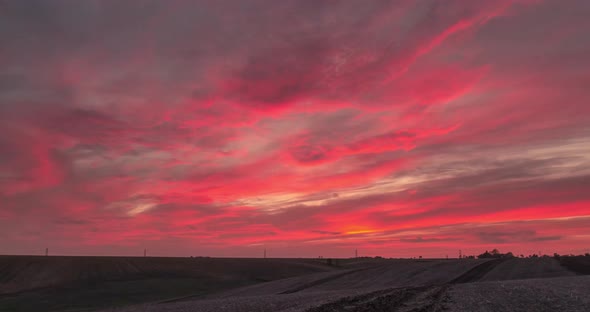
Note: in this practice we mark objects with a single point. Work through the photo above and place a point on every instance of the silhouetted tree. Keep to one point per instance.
(485, 255)
(496, 254)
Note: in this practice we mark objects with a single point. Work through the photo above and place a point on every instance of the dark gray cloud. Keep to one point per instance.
(326, 232)
(513, 236)
(421, 239)
(198, 121)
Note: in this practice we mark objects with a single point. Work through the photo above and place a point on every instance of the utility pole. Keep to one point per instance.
(460, 254)
(46, 252)
(264, 253)
(145, 252)
(356, 253)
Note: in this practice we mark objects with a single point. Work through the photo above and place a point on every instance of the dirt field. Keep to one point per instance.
(289, 285)
(30, 283)
(547, 294)
(409, 285)
(527, 268)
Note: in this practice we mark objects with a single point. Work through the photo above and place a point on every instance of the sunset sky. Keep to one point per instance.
(221, 128)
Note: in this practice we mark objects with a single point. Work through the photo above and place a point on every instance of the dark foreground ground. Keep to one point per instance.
(213, 284)
(29, 283)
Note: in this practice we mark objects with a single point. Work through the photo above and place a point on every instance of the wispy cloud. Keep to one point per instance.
(295, 125)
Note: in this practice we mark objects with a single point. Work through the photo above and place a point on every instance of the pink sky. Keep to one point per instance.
(221, 128)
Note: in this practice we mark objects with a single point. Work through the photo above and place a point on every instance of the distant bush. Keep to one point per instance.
(495, 254)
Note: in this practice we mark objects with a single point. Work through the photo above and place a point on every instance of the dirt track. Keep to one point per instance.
(471, 295)
(478, 272)
(427, 298)
(320, 281)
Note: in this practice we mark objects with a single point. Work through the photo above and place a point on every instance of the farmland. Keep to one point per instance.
(314, 285)
(30, 283)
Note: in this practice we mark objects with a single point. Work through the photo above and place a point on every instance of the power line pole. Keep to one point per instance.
(460, 254)
(46, 252)
(145, 252)
(264, 253)
(356, 253)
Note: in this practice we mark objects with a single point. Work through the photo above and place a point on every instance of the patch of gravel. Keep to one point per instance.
(568, 294)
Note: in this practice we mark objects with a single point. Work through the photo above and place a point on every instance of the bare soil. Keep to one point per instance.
(30, 283)
(292, 285)
(547, 294)
(517, 268)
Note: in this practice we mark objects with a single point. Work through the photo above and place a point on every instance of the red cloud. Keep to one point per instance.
(324, 127)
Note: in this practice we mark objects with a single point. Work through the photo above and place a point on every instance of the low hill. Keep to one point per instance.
(33, 283)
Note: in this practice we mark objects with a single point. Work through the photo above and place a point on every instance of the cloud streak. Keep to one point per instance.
(220, 127)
